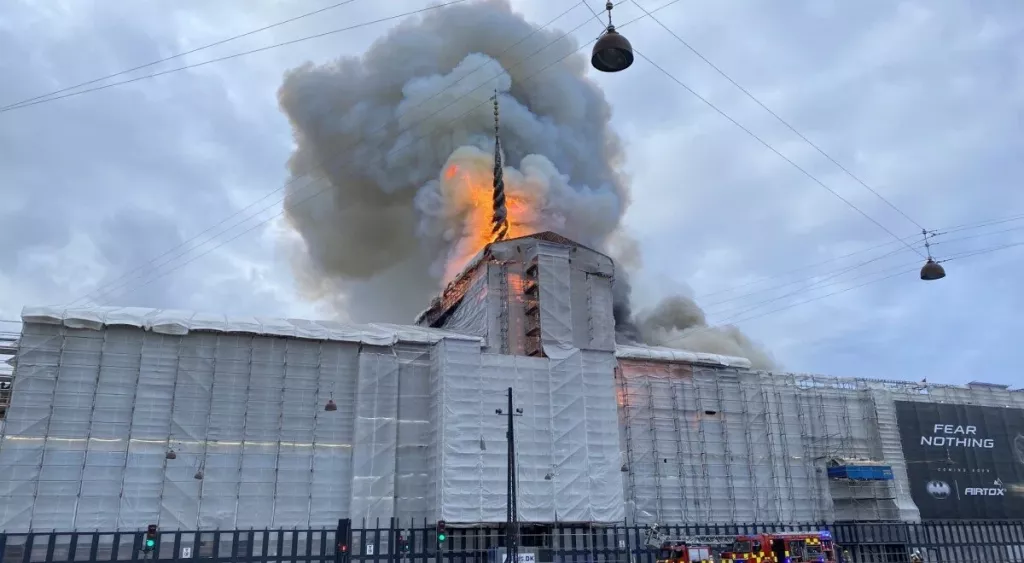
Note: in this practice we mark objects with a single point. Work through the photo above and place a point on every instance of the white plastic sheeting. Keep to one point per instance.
(569, 429)
(568, 432)
(174, 322)
(728, 445)
(698, 449)
(471, 315)
(556, 321)
(95, 410)
(660, 354)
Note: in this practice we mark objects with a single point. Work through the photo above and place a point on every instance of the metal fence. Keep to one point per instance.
(941, 542)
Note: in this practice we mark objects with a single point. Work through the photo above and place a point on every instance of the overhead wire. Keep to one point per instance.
(312, 180)
(816, 280)
(972, 253)
(799, 269)
(767, 145)
(896, 274)
(901, 271)
(829, 274)
(178, 55)
(409, 142)
(486, 82)
(648, 14)
(778, 117)
(978, 225)
(814, 284)
(233, 56)
(819, 280)
(978, 235)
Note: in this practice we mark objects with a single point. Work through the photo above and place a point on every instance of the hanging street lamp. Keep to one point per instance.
(612, 52)
(931, 270)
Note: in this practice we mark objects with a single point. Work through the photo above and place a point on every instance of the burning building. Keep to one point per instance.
(101, 397)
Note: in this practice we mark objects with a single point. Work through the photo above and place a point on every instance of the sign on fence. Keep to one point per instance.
(369, 549)
(520, 558)
(186, 553)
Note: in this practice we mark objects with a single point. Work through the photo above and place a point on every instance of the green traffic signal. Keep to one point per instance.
(441, 537)
(150, 543)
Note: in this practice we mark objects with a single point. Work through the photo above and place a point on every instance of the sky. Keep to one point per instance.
(923, 101)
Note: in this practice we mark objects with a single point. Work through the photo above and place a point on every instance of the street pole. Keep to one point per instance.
(511, 512)
(512, 525)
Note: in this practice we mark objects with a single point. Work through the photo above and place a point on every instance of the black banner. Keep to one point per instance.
(964, 462)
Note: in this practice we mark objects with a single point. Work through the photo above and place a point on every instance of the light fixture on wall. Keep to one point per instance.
(170, 454)
(331, 406)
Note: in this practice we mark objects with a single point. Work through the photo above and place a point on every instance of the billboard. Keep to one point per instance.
(964, 461)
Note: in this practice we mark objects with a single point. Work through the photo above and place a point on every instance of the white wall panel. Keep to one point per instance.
(97, 406)
(96, 411)
(567, 432)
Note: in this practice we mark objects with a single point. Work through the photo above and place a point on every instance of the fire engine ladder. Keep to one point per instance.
(655, 538)
(703, 540)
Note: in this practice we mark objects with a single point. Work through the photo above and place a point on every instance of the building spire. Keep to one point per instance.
(499, 217)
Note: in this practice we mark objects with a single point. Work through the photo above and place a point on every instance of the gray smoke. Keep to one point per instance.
(678, 322)
(401, 140)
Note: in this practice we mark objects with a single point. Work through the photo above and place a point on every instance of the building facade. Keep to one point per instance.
(121, 418)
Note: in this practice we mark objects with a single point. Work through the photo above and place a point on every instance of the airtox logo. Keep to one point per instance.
(996, 490)
(939, 489)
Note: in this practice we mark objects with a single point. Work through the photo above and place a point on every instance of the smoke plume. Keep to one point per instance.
(400, 142)
(678, 322)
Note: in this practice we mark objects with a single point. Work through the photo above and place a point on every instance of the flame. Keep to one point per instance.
(472, 185)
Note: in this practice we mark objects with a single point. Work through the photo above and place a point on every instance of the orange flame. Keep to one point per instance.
(477, 189)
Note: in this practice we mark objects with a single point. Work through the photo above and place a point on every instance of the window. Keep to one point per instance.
(742, 546)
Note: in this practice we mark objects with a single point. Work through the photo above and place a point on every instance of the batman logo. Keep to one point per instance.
(938, 489)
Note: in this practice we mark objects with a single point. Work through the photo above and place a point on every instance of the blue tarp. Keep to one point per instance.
(861, 472)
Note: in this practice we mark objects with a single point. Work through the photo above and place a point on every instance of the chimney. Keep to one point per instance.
(542, 295)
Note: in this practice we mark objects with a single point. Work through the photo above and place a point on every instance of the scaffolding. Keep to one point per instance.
(8, 348)
(125, 417)
(282, 423)
(721, 444)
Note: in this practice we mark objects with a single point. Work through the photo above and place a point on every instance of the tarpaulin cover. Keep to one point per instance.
(101, 396)
(661, 354)
(174, 322)
(567, 439)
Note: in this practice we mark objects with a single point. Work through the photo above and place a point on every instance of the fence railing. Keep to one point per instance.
(409, 542)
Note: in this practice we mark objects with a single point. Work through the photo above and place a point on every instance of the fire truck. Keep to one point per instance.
(781, 547)
(685, 550)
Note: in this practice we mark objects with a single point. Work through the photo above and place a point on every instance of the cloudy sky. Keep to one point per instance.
(923, 101)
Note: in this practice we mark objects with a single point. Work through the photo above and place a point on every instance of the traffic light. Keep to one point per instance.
(343, 535)
(150, 541)
(442, 534)
(403, 544)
